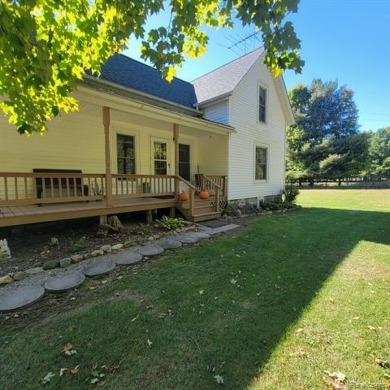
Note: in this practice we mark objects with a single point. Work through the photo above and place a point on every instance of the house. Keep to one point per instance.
(138, 141)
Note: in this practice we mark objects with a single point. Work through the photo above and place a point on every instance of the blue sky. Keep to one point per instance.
(343, 40)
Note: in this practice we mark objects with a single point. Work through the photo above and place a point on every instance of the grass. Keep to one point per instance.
(273, 306)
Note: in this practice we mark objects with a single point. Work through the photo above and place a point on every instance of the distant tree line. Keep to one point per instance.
(325, 142)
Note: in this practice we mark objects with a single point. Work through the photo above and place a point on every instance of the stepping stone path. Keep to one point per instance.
(64, 281)
(170, 244)
(150, 250)
(15, 297)
(128, 257)
(99, 268)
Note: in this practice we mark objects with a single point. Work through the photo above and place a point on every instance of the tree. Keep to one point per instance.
(324, 141)
(46, 45)
(379, 153)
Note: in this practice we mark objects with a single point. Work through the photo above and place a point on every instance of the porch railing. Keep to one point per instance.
(18, 189)
(217, 188)
(136, 186)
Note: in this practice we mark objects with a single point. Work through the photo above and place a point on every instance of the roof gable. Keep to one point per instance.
(224, 79)
(129, 73)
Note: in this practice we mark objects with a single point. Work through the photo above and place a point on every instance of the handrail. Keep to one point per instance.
(186, 182)
(212, 182)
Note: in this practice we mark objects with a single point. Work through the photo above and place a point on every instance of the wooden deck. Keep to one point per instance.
(26, 214)
(46, 196)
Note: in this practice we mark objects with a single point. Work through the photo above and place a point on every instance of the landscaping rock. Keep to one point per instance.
(20, 275)
(5, 252)
(76, 258)
(97, 252)
(106, 248)
(117, 247)
(5, 280)
(51, 264)
(34, 271)
(65, 262)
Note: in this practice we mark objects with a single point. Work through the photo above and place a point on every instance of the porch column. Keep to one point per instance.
(176, 141)
(106, 124)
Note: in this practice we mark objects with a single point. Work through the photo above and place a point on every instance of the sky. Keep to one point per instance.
(343, 40)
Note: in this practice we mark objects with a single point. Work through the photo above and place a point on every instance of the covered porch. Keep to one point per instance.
(133, 164)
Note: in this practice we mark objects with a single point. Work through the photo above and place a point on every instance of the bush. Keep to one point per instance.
(290, 193)
(170, 223)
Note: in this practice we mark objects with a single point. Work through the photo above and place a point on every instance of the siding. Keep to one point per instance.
(250, 132)
(217, 112)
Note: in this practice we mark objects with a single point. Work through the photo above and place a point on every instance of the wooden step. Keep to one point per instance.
(205, 216)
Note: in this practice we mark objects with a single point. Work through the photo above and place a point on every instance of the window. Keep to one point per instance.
(184, 161)
(262, 104)
(160, 158)
(125, 154)
(261, 163)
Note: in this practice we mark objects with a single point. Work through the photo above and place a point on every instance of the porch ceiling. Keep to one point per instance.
(143, 115)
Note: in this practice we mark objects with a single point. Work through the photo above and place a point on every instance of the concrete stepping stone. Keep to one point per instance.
(170, 244)
(199, 235)
(128, 257)
(224, 229)
(98, 268)
(150, 250)
(15, 298)
(64, 282)
(186, 239)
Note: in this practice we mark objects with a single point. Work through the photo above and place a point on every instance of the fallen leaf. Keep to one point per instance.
(75, 370)
(336, 380)
(48, 377)
(219, 379)
(369, 327)
(63, 371)
(135, 318)
(382, 362)
(149, 343)
(233, 281)
(299, 330)
(301, 352)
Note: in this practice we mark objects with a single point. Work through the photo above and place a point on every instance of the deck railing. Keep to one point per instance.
(136, 186)
(44, 188)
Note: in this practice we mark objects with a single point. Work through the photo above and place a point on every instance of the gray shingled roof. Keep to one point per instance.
(130, 73)
(223, 80)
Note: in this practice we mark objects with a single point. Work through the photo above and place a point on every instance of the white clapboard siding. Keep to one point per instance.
(241, 109)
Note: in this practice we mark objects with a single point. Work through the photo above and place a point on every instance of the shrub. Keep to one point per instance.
(290, 193)
(171, 223)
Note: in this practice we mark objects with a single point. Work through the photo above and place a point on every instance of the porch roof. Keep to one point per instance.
(128, 101)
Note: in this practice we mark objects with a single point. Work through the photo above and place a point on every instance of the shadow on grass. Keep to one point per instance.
(204, 313)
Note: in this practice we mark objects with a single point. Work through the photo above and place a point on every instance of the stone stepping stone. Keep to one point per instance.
(186, 239)
(198, 235)
(170, 244)
(150, 250)
(128, 257)
(64, 282)
(17, 297)
(98, 268)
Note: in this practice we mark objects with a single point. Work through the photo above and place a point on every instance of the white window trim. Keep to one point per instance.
(267, 147)
(261, 85)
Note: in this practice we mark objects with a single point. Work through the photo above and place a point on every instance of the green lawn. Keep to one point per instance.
(272, 306)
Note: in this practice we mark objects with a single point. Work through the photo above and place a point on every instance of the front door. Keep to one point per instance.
(160, 156)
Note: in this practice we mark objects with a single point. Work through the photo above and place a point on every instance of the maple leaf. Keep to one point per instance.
(219, 379)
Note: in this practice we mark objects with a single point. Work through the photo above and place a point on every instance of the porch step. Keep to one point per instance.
(204, 216)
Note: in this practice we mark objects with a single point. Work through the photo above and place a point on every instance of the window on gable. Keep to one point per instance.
(262, 104)
(261, 163)
(125, 154)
